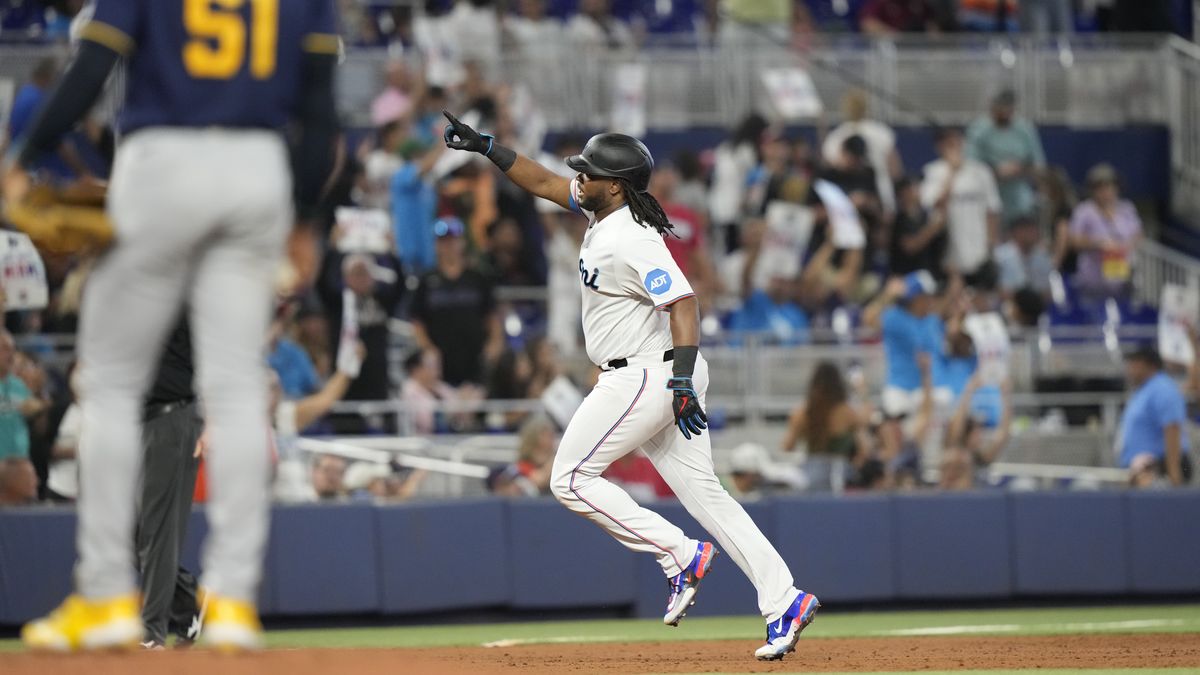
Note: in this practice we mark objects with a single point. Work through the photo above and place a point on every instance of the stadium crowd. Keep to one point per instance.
(625, 23)
(784, 236)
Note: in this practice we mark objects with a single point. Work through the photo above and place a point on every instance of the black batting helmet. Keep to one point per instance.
(616, 156)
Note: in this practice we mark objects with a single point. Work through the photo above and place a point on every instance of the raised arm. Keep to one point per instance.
(526, 173)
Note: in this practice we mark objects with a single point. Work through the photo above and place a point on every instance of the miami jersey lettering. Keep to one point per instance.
(198, 63)
(629, 278)
(588, 279)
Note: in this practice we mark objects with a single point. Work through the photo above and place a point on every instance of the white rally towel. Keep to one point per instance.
(363, 230)
(21, 273)
(847, 229)
(992, 345)
(348, 361)
(1178, 309)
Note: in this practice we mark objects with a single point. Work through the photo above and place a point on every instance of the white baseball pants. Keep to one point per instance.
(630, 408)
(201, 218)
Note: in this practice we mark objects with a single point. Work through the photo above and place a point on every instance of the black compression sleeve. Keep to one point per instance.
(501, 156)
(312, 154)
(684, 363)
(78, 89)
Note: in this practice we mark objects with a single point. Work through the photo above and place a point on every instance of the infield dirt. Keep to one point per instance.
(1177, 650)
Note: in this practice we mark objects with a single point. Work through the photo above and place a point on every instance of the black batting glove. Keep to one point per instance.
(689, 417)
(459, 136)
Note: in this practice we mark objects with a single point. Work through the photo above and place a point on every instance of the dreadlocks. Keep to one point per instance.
(645, 208)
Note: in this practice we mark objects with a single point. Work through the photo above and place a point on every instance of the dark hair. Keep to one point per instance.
(749, 130)
(987, 277)
(906, 181)
(687, 162)
(385, 130)
(1030, 306)
(502, 379)
(855, 146)
(1022, 220)
(1146, 353)
(826, 391)
(413, 361)
(645, 208)
(945, 133)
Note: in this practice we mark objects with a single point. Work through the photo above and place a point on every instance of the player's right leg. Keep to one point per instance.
(686, 465)
(622, 411)
(131, 301)
(232, 300)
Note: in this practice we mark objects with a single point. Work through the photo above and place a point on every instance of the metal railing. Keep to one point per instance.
(1156, 265)
(1183, 77)
(1104, 80)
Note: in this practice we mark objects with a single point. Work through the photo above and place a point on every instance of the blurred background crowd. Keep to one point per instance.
(623, 23)
(466, 289)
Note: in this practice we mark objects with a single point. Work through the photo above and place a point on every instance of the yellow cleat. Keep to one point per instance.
(230, 625)
(80, 623)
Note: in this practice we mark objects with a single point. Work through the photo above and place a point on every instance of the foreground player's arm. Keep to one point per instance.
(526, 173)
(316, 116)
(685, 335)
(75, 94)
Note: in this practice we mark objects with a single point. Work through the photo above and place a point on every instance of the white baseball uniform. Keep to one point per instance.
(629, 279)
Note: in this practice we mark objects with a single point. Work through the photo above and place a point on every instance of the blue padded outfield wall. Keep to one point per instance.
(355, 559)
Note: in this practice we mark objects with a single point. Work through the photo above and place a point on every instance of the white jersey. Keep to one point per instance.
(628, 278)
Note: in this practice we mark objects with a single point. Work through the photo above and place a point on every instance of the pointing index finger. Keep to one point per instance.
(452, 118)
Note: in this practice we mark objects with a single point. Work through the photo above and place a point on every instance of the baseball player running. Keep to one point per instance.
(641, 327)
(201, 199)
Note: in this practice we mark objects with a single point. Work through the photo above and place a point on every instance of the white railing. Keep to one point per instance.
(1183, 75)
(1157, 265)
(1104, 80)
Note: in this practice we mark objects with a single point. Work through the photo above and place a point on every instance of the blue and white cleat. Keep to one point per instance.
(684, 585)
(783, 634)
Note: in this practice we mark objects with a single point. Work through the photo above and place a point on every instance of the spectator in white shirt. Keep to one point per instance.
(881, 146)
(382, 163)
(733, 160)
(532, 32)
(967, 190)
(595, 26)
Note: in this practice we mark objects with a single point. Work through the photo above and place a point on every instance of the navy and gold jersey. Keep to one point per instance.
(197, 63)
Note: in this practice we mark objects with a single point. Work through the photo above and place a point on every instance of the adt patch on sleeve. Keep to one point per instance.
(658, 281)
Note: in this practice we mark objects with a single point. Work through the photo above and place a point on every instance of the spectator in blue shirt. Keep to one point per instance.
(1153, 438)
(297, 374)
(414, 205)
(956, 370)
(912, 333)
(771, 312)
(30, 96)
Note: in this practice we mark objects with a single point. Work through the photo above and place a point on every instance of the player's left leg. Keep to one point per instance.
(687, 467)
(232, 300)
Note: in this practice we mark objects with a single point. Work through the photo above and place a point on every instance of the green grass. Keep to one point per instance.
(1138, 619)
(1154, 619)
